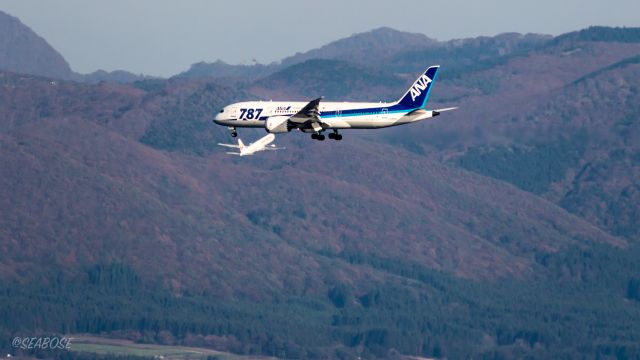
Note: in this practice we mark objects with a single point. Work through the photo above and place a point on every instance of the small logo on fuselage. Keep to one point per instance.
(419, 86)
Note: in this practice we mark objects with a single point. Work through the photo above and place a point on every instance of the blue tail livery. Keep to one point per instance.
(418, 94)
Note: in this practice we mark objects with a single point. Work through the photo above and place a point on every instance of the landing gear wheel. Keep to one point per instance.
(234, 133)
(335, 136)
(319, 137)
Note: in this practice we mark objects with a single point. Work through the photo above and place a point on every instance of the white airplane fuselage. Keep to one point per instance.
(260, 145)
(335, 115)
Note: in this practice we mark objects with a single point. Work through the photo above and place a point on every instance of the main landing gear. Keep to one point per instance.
(234, 133)
(334, 136)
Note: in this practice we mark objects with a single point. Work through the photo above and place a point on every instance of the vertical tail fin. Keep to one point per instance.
(240, 144)
(418, 94)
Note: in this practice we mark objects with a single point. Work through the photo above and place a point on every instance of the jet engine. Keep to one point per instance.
(277, 124)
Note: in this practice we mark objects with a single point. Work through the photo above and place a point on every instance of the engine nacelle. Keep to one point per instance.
(277, 124)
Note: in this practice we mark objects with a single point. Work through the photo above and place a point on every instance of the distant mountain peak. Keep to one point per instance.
(389, 30)
(358, 47)
(23, 51)
(384, 29)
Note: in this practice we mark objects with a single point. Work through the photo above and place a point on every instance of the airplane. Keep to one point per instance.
(263, 144)
(316, 117)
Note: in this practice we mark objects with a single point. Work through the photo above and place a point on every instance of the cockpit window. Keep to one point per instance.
(222, 110)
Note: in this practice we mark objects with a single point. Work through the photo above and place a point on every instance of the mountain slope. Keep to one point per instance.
(579, 148)
(23, 51)
(428, 200)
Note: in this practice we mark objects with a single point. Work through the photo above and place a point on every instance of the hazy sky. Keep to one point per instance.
(164, 37)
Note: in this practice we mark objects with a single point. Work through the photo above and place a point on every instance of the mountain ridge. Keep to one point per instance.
(377, 48)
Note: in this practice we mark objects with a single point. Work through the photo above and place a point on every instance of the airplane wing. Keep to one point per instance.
(310, 111)
(308, 116)
(229, 145)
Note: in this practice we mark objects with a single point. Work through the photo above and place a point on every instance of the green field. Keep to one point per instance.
(102, 346)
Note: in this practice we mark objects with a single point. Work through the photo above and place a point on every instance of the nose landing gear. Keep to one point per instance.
(234, 133)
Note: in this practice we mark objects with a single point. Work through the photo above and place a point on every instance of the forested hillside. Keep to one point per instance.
(507, 228)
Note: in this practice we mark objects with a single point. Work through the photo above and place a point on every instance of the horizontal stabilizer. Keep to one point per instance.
(446, 109)
(438, 111)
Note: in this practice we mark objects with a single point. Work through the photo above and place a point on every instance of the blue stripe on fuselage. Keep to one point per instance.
(393, 109)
